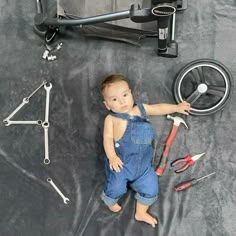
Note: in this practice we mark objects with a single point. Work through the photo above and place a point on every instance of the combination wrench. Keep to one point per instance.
(45, 124)
(65, 199)
(24, 101)
(22, 122)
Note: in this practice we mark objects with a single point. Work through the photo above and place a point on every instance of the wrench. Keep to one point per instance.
(47, 88)
(45, 124)
(25, 101)
(65, 199)
(22, 122)
(46, 149)
(36, 90)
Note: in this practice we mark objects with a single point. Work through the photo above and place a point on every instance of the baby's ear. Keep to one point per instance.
(105, 103)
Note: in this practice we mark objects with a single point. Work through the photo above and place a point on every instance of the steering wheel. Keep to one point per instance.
(206, 84)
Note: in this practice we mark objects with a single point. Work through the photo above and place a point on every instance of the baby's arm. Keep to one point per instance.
(163, 108)
(114, 161)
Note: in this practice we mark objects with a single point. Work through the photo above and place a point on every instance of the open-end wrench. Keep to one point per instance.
(45, 124)
(65, 199)
(25, 101)
(22, 122)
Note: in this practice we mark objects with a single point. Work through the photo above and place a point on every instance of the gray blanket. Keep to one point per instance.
(30, 206)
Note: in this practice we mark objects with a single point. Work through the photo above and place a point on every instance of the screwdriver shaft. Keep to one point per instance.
(206, 176)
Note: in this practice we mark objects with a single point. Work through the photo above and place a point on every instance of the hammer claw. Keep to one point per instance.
(177, 120)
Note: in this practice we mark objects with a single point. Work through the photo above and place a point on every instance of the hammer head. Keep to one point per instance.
(177, 120)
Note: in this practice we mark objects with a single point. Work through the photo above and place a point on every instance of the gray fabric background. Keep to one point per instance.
(30, 206)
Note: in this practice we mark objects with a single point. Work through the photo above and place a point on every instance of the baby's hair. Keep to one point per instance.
(110, 80)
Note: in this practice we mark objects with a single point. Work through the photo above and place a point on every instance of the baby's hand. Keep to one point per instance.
(183, 107)
(115, 163)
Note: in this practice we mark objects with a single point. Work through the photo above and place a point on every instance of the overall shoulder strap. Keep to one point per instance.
(142, 110)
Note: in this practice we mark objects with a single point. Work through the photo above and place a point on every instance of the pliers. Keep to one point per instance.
(188, 162)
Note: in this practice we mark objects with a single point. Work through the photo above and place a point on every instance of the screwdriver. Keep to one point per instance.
(189, 183)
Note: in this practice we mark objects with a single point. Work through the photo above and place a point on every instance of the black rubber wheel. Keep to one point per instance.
(206, 84)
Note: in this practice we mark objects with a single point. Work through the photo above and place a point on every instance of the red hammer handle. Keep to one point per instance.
(172, 135)
(162, 164)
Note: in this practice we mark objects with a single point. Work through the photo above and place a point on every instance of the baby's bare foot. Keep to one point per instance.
(146, 218)
(115, 208)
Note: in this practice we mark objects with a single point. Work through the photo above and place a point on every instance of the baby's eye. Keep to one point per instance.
(114, 99)
(125, 95)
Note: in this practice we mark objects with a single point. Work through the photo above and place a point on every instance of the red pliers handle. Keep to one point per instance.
(188, 162)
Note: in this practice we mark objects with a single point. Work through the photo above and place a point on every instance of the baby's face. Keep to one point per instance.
(118, 97)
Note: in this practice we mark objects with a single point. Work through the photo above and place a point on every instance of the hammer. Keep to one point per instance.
(162, 164)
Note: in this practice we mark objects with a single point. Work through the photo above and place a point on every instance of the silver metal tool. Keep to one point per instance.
(36, 90)
(65, 199)
(22, 122)
(46, 148)
(48, 89)
(206, 176)
(45, 54)
(52, 57)
(45, 124)
(24, 101)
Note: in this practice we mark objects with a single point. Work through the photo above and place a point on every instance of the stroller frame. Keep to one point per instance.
(161, 11)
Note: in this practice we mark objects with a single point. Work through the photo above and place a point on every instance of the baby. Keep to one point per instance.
(127, 141)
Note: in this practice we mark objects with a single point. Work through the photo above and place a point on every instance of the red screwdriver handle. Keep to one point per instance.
(182, 186)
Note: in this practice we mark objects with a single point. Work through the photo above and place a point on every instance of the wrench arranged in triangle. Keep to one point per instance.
(7, 121)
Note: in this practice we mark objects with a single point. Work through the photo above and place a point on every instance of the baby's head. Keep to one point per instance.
(117, 94)
(110, 80)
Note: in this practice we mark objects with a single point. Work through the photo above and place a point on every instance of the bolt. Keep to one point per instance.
(45, 54)
(52, 58)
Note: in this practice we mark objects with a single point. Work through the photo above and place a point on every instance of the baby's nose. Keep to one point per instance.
(122, 100)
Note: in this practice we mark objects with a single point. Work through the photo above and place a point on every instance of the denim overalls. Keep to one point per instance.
(135, 150)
